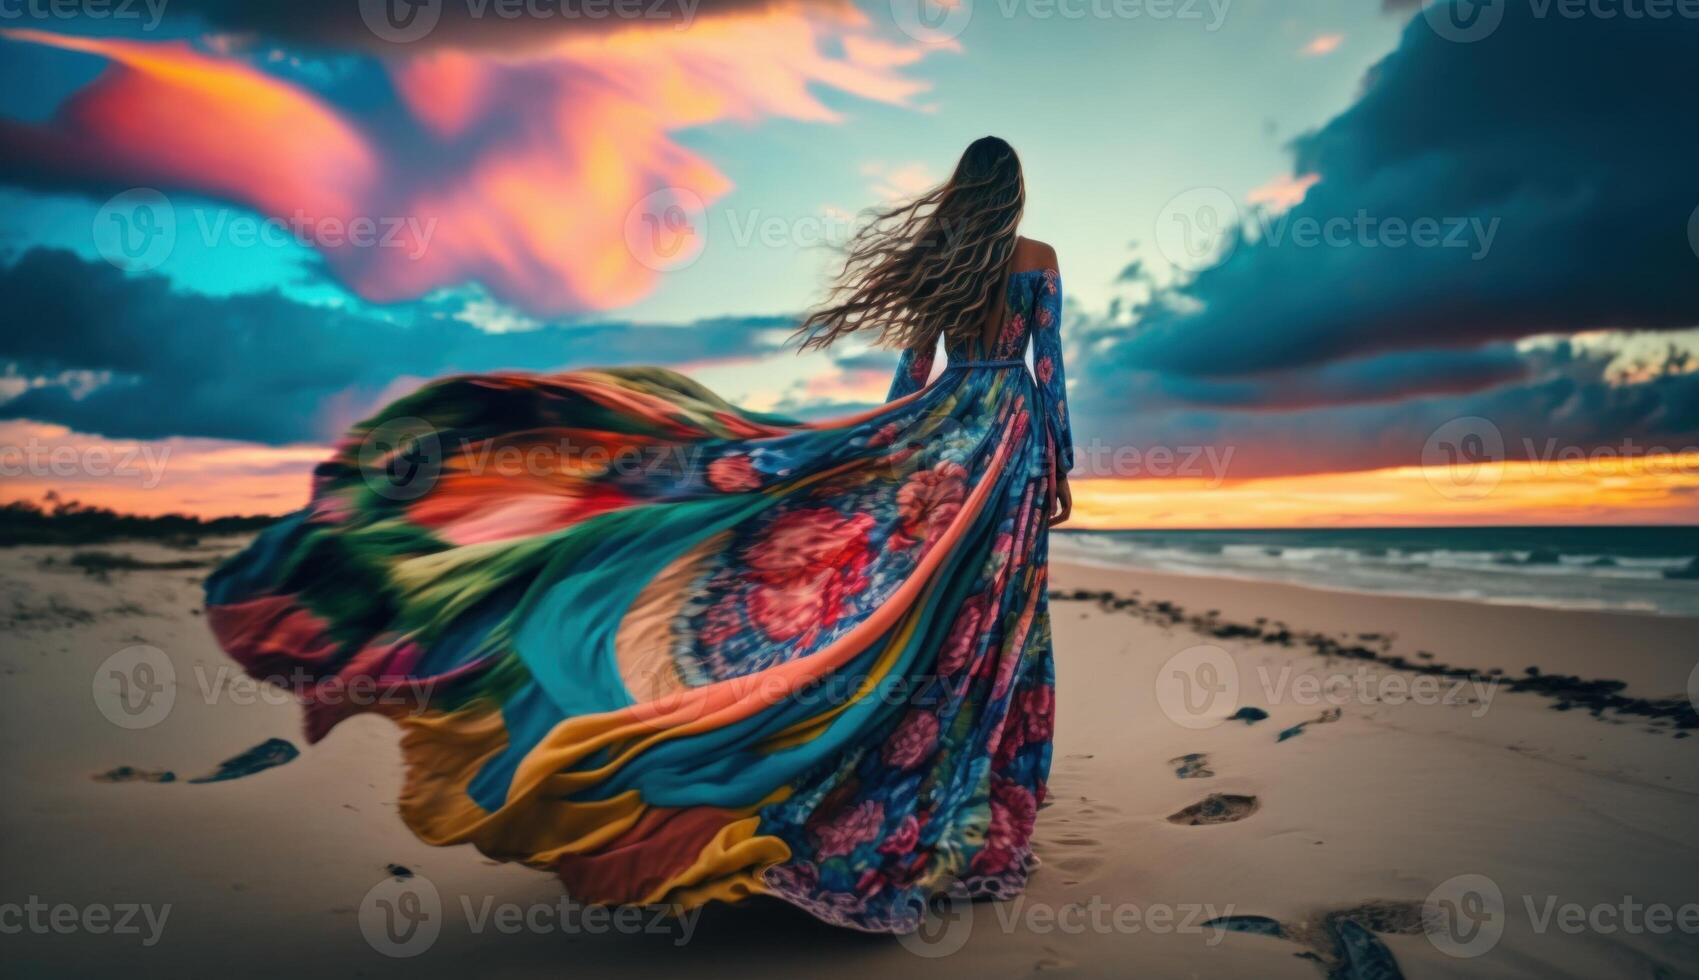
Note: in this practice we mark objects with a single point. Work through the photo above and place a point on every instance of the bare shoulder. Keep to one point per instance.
(1030, 253)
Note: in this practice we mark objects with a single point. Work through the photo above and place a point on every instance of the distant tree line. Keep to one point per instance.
(53, 520)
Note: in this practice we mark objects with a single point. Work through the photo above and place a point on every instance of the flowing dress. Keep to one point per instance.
(677, 652)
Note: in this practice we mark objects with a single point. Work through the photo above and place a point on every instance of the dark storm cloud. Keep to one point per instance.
(874, 359)
(1558, 160)
(1566, 402)
(1559, 150)
(264, 367)
(1378, 378)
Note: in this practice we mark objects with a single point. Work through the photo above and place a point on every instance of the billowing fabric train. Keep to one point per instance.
(676, 652)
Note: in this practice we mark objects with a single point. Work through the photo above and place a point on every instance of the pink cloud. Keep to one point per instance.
(898, 182)
(1323, 44)
(523, 171)
(1282, 193)
(208, 477)
(856, 385)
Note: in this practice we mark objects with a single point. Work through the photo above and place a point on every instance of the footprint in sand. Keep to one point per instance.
(1192, 765)
(1073, 830)
(1075, 840)
(266, 755)
(1053, 961)
(1343, 942)
(1073, 765)
(1326, 717)
(1078, 864)
(1088, 811)
(1216, 808)
(131, 774)
(1070, 838)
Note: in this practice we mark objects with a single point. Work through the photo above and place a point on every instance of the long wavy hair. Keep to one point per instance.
(934, 266)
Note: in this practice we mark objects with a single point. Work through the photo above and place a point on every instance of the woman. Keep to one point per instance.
(674, 651)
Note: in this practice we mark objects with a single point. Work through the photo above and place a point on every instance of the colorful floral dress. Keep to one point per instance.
(674, 651)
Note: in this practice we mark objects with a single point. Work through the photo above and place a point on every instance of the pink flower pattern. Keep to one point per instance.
(1014, 331)
(964, 635)
(913, 740)
(903, 839)
(851, 828)
(897, 816)
(733, 474)
(807, 566)
(1038, 710)
(931, 499)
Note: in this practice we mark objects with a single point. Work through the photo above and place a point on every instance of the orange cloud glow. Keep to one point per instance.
(210, 478)
(177, 117)
(205, 477)
(1659, 489)
(526, 172)
(1282, 193)
(1323, 44)
(859, 385)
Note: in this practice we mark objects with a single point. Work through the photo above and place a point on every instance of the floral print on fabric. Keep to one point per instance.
(960, 775)
(808, 660)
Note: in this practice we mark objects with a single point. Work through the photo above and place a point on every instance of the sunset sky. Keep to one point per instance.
(1314, 251)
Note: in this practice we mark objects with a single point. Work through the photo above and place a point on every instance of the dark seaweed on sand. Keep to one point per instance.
(268, 754)
(1593, 696)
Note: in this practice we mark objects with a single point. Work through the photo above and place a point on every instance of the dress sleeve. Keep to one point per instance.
(1047, 365)
(913, 369)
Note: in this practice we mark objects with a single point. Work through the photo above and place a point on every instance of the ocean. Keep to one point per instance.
(1647, 569)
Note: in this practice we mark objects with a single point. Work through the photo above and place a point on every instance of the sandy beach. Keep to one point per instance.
(1551, 819)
